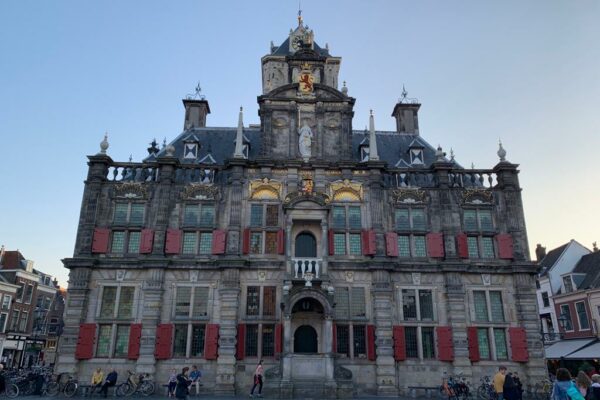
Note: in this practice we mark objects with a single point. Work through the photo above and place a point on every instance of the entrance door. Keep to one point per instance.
(306, 245)
(305, 339)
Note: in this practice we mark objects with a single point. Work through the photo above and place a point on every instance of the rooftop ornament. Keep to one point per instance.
(104, 144)
(404, 99)
(197, 95)
(501, 152)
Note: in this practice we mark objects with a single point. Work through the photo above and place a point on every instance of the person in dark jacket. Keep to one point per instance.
(183, 383)
(595, 388)
(510, 389)
(519, 385)
(111, 380)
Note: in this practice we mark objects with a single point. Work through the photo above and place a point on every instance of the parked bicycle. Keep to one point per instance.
(486, 391)
(455, 388)
(64, 383)
(136, 384)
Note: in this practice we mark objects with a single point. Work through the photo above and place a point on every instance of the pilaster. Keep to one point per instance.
(229, 293)
(382, 308)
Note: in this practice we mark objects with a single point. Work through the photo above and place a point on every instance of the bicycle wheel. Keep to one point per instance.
(52, 389)
(482, 393)
(70, 389)
(29, 388)
(147, 388)
(122, 389)
(11, 390)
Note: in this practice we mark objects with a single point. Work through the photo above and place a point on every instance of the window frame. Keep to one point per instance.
(198, 224)
(488, 306)
(546, 299)
(112, 340)
(579, 315)
(418, 320)
(127, 222)
(261, 297)
(191, 312)
(264, 229)
(126, 242)
(350, 352)
(260, 339)
(189, 326)
(568, 314)
(480, 233)
(117, 304)
(352, 233)
(351, 316)
(198, 234)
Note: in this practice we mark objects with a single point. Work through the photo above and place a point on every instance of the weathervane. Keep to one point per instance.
(404, 99)
(197, 94)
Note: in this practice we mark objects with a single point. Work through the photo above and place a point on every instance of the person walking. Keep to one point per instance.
(498, 382)
(97, 379)
(195, 376)
(172, 383)
(183, 384)
(258, 379)
(509, 389)
(111, 380)
(564, 388)
(583, 383)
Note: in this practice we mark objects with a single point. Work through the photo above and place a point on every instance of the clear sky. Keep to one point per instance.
(527, 72)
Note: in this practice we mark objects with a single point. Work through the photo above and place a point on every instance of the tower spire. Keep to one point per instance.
(239, 137)
(373, 154)
(299, 14)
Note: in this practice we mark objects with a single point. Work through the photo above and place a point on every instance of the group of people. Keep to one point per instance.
(179, 384)
(581, 388)
(507, 385)
(101, 383)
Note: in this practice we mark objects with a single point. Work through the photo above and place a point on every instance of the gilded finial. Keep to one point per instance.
(299, 15)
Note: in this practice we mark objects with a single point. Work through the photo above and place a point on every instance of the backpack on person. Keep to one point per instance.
(573, 393)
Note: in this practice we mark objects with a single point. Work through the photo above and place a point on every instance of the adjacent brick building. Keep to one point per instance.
(358, 261)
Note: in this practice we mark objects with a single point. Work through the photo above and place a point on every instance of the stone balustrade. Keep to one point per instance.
(306, 268)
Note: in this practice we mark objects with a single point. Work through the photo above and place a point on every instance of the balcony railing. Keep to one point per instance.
(307, 268)
(551, 337)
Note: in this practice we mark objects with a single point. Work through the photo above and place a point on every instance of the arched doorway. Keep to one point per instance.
(306, 245)
(305, 340)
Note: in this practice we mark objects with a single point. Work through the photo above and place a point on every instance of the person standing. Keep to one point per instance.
(563, 385)
(195, 378)
(595, 389)
(519, 385)
(258, 379)
(498, 382)
(509, 389)
(97, 379)
(111, 380)
(183, 383)
(583, 383)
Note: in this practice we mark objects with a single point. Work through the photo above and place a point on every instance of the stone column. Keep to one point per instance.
(382, 295)
(456, 319)
(229, 293)
(234, 205)
(324, 246)
(152, 297)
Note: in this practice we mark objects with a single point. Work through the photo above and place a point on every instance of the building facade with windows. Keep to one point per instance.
(358, 261)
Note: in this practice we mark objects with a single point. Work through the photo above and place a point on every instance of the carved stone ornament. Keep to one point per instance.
(477, 196)
(262, 276)
(346, 191)
(486, 279)
(121, 275)
(265, 189)
(193, 275)
(130, 190)
(408, 196)
(349, 276)
(416, 278)
(295, 197)
(198, 191)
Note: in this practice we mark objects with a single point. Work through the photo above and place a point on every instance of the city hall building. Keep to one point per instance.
(350, 261)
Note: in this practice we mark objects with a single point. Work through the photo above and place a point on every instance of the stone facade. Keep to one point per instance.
(348, 269)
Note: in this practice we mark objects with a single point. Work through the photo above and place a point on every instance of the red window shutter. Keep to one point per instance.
(100, 240)
(164, 342)
(369, 245)
(240, 351)
(85, 342)
(505, 245)
(399, 343)
(211, 342)
(246, 241)
(147, 241)
(334, 341)
(218, 241)
(173, 241)
(391, 244)
(278, 338)
(135, 336)
(461, 245)
(371, 343)
(518, 344)
(435, 245)
(331, 242)
(473, 344)
(445, 343)
(281, 241)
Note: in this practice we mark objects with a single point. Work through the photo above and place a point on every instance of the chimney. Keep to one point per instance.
(195, 113)
(407, 121)
(540, 252)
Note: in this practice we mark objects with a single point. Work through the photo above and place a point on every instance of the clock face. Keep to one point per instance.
(297, 42)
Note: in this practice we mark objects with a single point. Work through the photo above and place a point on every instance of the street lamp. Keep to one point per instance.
(563, 320)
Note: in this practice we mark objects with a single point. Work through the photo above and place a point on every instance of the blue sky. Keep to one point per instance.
(524, 71)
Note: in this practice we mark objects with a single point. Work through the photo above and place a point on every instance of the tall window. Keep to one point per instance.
(254, 306)
(125, 242)
(479, 226)
(107, 347)
(410, 224)
(488, 306)
(188, 340)
(129, 213)
(191, 302)
(116, 306)
(488, 310)
(566, 312)
(190, 306)
(28, 294)
(350, 315)
(198, 224)
(117, 302)
(545, 299)
(6, 301)
(492, 343)
(584, 322)
(260, 308)
(3, 318)
(419, 342)
(264, 224)
(417, 305)
(346, 222)
(568, 283)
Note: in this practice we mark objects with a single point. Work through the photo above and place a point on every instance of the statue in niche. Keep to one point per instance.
(305, 141)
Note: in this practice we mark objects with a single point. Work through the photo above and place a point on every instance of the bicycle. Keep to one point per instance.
(64, 383)
(486, 390)
(142, 384)
(10, 390)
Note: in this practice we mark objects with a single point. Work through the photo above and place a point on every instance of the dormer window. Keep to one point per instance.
(568, 284)
(364, 153)
(190, 150)
(416, 156)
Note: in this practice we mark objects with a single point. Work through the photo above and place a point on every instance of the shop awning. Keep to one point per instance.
(589, 352)
(563, 348)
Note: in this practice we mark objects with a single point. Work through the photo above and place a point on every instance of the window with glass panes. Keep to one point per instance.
(492, 343)
(268, 340)
(125, 242)
(350, 307)
(500, 343)
(342, 333)
(483, 341)
(359, 340)
(260, 340)
(197, 243)
(350, 303)
(117, 302)
(584, 323)
(251, 342)
(568, 283)
(199, 215)
(487, 306)
(410, 224)
(264, 224)
(106, 347)
(478, 223)
(566, 312)
(478, 220)
(129, 213)
(265, 308)
(191, 302)
(410, 342)
(188, 340)
(428, 342)
(346, 221)
(417, 305)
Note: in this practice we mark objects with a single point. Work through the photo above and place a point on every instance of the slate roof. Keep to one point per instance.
(12, 260)
(590, 266)
(392, 147)
(551, 258)
(284, 49)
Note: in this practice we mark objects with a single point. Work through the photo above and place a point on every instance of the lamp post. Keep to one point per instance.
(563, 321)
